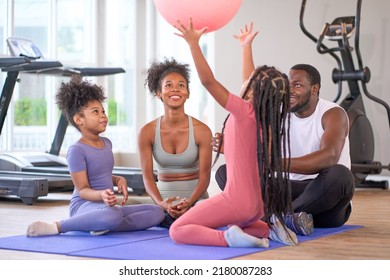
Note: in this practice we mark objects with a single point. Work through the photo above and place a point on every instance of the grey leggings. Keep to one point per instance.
(96, 216)
(327, 197)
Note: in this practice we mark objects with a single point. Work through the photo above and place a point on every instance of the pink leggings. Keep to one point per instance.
(199, 225)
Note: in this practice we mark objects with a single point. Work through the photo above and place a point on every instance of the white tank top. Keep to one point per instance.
(305, 137)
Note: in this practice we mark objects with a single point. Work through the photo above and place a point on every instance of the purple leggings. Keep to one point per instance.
(96, 216)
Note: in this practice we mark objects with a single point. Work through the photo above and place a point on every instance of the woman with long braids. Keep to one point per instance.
(255, 138)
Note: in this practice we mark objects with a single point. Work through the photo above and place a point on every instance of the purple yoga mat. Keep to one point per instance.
(152, 244)
(76, 241)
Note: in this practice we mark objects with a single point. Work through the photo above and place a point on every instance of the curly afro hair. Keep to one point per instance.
(73, 96)
(158, 70)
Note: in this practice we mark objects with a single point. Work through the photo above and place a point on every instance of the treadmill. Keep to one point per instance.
(51, 162)
(28, 186)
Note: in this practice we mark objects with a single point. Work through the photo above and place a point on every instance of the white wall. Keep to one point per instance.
(282, 43)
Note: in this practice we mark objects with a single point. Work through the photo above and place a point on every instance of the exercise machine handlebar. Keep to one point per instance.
(339, 75)
(314, 39)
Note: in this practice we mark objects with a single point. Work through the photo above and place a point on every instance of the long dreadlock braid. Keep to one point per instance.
(271, 101)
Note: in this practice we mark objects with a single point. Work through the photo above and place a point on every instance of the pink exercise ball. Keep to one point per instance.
(205, 13)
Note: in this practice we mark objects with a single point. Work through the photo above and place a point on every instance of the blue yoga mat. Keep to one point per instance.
(65, 244)
(152, 244)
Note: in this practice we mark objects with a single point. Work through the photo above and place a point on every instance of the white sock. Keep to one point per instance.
(236, 237)
(41, 228)
(98, 232)
(280, 234)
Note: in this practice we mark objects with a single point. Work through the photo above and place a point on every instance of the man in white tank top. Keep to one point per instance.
(321, 181)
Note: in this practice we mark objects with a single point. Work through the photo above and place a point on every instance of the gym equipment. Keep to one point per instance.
(212, 14)
(28, 189)
(361, 135)
(27, 186)
(49, 165)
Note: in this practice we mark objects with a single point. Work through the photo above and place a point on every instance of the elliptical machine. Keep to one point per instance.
(361, 135)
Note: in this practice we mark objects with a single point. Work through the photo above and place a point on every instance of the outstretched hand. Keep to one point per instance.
(189, 33)
(246, 35)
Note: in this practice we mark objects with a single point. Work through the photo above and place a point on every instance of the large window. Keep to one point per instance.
(75, 32)
(74, 45)
(121, 50)
(90, 33)
(30, 99)
(3, 25)
(3, 32)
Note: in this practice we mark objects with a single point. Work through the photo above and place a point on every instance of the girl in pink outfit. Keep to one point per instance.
(255, 139)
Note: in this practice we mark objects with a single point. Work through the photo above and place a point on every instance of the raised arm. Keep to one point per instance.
(206, 76)
(246, 38)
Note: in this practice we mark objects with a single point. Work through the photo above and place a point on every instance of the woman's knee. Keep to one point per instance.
(173, 233)
(111, 217)
(157, 214)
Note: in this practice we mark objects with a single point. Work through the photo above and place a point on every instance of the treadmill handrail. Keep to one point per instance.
(34, 66)
(99, 71)
(70, 71)
(12, 61)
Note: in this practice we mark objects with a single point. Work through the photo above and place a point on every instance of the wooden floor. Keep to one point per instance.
(371, 209)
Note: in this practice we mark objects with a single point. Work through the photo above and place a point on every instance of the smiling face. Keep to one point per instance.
(303, 95)
(174, 89)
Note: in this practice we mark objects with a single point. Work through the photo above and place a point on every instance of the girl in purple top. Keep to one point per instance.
(93, 206)
(255, 139)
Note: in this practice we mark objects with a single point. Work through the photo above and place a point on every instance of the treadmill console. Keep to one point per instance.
(23, 47)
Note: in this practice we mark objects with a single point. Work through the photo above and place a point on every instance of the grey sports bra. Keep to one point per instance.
(186, 162)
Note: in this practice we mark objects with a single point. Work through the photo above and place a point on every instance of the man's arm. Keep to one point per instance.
(335, 124)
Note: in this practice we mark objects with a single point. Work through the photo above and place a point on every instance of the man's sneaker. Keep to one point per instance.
(301, 223)
(281, 234)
